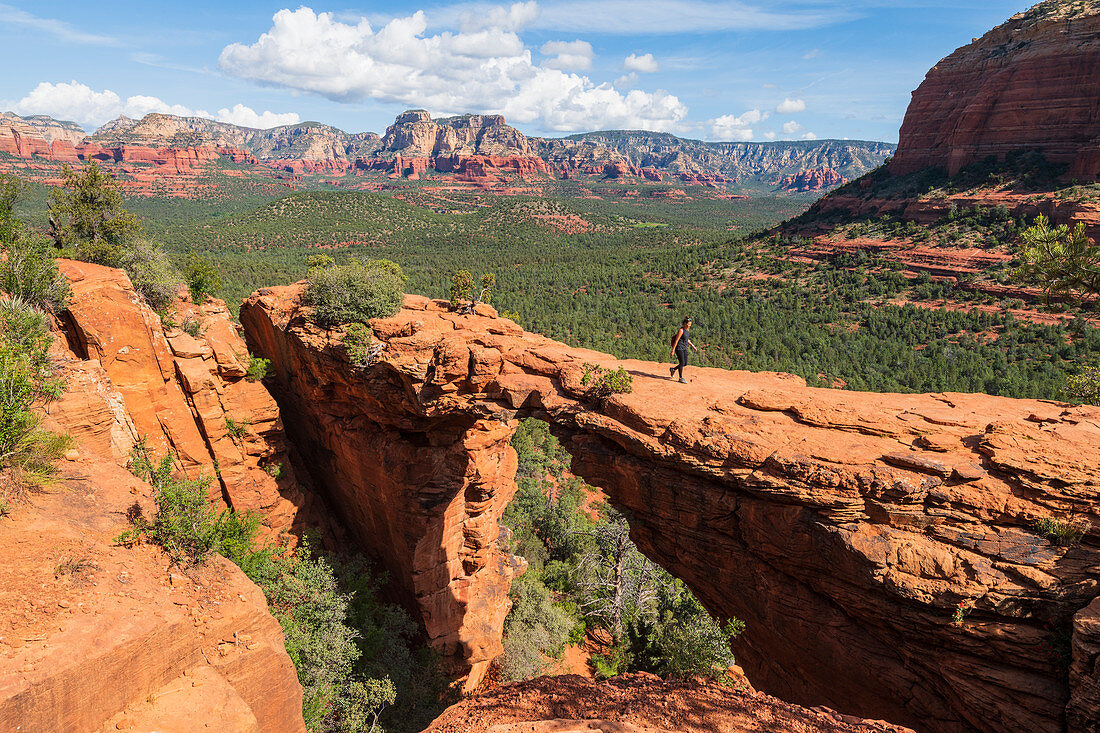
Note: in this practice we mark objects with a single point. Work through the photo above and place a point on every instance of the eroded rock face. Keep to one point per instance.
(162, 152)
(1084, 671)
(184, 394)
(96, 636)
(415, 134)
(424, 495)
(844, 528)
(99, 637)
(1028, 84)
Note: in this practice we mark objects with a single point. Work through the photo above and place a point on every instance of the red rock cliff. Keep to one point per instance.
(176, 391)
(96, 636)
(1029, 84)
(845, 528)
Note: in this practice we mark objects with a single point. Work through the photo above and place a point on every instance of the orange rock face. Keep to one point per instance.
(99, 637)
(425, 497)
(1029, 84)
(1084, 678)
(178, 392)
(846, 529)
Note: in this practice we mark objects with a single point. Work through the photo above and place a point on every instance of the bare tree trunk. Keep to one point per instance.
(620, 573)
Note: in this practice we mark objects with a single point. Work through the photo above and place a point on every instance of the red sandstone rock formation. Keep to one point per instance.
(426, 502)
(844, 528)
(158, 147)
(638, 703)
(22, 140)
(1028, 84)
(95, 636)
(814, 179)
(174, 390)
(416, 134)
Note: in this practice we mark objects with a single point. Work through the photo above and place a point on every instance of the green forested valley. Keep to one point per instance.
(617, 274)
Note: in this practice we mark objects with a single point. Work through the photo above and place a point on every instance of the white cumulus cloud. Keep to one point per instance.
(484, 67)
(627, 80)
(809, 136)
(644, 64)
(91, 108)
(567, 55)
(769, 135)
(70, 101)
(735, 128)
(791, 127)
(789, 106)
(247, 117)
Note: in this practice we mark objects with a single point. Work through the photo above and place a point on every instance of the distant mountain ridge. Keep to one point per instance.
(480, 149)
(849, 158)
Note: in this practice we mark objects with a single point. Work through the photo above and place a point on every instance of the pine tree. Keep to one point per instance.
(87, 216)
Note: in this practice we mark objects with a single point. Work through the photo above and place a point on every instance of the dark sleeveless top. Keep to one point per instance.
(683, 342)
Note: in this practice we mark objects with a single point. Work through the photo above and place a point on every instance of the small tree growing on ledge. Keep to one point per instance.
(353, 292)
(462, 284)
(201, 276)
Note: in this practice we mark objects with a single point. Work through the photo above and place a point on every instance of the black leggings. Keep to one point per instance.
(682, 355)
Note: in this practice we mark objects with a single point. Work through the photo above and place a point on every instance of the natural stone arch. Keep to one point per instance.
(843, 527)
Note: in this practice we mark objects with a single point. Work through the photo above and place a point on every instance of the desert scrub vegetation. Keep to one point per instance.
(237, 429)
(353, 292)
(586, 578)
(360, 346)
(27, 267)
(1085, 387)
(28, 382)
(602, 383)
(89, 223)
(201, 276)
(258, 368)
(1064, 262)
(359, 660)
(462, 291)
(30, 287)
(1067, 532)
(184, 524)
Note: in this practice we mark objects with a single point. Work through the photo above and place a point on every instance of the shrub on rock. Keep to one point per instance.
(354, 292)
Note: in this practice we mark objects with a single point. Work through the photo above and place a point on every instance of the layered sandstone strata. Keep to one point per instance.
(479, 149)
(1028, 84)
(415, 134)
(880, 548)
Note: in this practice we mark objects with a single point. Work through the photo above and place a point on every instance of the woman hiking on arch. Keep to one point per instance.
(680, 343)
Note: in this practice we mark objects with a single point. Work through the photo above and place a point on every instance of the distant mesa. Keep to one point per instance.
(1031, 83)
(1010, 123)
(479, 150)
(814, 179)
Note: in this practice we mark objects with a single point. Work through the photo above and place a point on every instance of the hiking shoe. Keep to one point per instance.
(683, 381)
(672, 371)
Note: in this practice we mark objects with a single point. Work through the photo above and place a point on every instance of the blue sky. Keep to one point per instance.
(712, 70)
